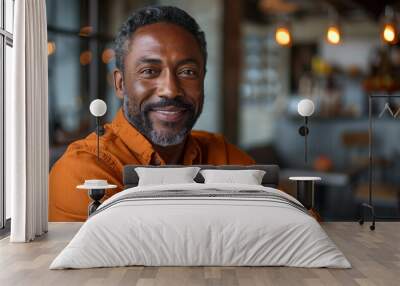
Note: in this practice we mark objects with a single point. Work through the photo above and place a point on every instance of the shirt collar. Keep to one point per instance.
(142, 147)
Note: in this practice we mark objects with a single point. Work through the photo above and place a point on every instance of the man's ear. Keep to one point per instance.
(118, 83)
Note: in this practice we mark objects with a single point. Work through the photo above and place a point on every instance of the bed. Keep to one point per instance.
(201, 224)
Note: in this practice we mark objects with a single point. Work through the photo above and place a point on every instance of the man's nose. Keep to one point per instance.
(169, 85)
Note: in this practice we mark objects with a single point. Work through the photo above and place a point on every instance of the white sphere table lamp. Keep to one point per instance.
(305, 108)
(98, 108)
(96, 188)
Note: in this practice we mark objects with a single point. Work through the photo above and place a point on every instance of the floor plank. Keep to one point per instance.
(375, 257)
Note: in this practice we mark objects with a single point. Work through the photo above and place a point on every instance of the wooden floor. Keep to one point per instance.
(375, 256)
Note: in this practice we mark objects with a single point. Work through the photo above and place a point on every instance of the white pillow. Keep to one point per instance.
(163, 176)
(248, 177)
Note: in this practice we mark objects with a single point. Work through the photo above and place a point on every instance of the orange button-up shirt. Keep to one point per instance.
(121, 145)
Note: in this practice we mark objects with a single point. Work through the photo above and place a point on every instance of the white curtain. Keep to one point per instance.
(27, 124)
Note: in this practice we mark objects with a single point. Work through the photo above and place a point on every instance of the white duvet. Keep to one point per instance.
(206, 230)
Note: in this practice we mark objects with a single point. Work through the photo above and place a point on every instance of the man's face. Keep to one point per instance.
(162, 84)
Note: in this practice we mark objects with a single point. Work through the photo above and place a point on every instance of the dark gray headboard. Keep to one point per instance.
(271, 177)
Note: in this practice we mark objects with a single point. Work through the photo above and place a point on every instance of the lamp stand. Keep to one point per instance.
(305, 139)
(303, 131)
(98, 135)
(96, 195)
(99, 132)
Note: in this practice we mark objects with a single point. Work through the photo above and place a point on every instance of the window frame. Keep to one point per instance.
(6, 39)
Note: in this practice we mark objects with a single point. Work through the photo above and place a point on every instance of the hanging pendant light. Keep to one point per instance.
(389, 33)
(333, 34)
(282, 35)
(389, 30)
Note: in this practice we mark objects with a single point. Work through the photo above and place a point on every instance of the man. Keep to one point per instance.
(161, 64)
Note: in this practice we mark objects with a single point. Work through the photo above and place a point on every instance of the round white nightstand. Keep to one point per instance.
(305, 190)
(96, 192)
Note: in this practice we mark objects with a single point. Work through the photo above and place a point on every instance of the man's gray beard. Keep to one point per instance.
(145, 126)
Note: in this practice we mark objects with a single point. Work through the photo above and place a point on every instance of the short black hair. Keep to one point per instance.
(155, 14)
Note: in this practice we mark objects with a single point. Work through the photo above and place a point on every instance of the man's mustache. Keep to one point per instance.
(164, 102)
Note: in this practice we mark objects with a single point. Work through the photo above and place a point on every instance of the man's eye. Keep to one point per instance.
(148, 72)
(188, 72)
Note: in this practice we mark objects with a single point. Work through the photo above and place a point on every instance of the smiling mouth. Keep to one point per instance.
(169, 113)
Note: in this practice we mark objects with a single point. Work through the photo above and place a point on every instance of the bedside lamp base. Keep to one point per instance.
(96, 195)
(96, 190)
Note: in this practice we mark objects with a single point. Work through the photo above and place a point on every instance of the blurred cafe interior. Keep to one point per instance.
(264, 57)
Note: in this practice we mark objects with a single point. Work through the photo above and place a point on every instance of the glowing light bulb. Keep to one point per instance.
(282, 36)
(107, 55)
(51, 48)
(389, 33)
(85, 58)
(333, 35)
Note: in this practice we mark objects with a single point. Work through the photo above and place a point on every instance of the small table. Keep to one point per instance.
(96, 193)
(305, 190)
